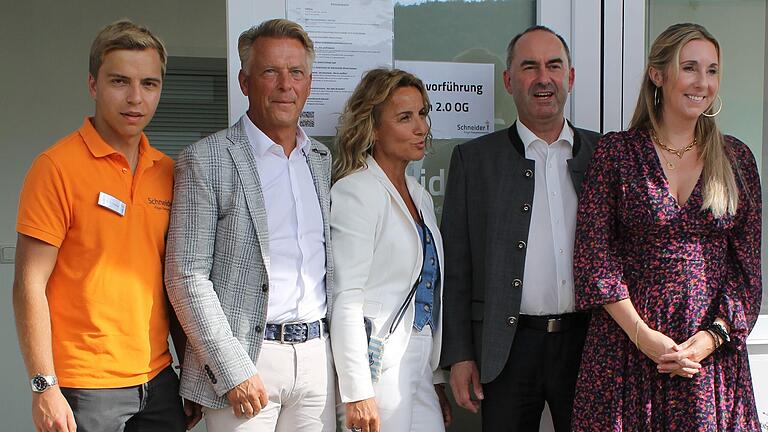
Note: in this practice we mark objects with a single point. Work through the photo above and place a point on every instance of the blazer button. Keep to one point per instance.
(528, 173)
(264, 287)
(511, 321)
(525, 208)
(520, 245)
(258, 329)
(517, 283)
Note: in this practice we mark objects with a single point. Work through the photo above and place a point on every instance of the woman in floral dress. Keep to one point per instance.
(668, 257)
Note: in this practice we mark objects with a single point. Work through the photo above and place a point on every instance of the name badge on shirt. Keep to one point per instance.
(108, 201)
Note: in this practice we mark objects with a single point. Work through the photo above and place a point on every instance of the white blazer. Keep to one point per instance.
(377, 256)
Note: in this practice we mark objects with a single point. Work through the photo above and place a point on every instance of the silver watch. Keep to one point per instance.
(41, 383)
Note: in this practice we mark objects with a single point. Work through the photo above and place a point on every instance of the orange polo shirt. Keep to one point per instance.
(109, 311)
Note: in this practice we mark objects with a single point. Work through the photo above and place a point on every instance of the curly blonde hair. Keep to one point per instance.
(355, 132)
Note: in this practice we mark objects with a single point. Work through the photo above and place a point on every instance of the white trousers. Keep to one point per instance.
(405, 395)
(301, 385)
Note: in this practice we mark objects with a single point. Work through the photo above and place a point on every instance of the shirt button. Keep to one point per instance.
(429, 284)
(264, 287)
(125, 170)
(432, 261)
(258, 329)
(562, 282)
(554, 193)
(426, 308)
(561, 252)
(429, 240)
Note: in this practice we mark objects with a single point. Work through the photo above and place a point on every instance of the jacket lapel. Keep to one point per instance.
(577, 166)
(415, 193)
(247, 171)
(317, 159)
(382, 176)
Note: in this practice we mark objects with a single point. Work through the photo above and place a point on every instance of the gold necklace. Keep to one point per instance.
(677, 152)
(669, 164)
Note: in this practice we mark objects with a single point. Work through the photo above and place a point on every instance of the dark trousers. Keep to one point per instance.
(151, 407)
(542, 367)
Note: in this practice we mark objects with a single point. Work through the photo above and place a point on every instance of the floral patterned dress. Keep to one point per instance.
(682, 268)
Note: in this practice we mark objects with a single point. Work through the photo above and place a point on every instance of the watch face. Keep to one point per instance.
(40, 383)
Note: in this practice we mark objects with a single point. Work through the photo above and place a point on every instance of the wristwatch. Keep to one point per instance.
(41, 383)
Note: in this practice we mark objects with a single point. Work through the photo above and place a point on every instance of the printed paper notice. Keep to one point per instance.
(350, 37)
(461, 95)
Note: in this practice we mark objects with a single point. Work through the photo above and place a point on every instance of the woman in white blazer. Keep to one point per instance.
(383, 226)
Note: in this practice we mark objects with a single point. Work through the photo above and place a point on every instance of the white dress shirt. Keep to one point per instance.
(548, 276)
(295, 222)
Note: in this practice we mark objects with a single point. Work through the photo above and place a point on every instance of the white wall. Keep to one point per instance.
(44, 49)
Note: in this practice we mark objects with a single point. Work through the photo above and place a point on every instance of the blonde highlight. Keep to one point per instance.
(721, 193)
(357, 122)
(124, 34)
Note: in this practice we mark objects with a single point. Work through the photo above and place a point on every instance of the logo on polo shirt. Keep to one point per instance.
(160, 204)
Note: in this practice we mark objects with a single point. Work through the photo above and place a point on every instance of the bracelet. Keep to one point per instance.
(637, 333)
(715, 338)
(720, 330)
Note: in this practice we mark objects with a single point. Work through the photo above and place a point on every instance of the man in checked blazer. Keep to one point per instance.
(248, 267)
(513, 339)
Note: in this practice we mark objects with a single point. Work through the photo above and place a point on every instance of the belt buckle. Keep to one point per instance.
(554, 325)
(282, 333)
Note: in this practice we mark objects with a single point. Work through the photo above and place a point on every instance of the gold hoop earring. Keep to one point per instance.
(716, 112)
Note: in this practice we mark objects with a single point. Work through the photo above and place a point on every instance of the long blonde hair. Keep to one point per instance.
(721, 193)
(354, 135)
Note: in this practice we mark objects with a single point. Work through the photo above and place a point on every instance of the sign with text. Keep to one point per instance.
(461, 95)
(350, 37)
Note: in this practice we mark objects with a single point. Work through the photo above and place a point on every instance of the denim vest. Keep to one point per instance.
(429, 282)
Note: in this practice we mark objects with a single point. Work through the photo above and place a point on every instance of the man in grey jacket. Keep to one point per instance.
(508, 225)
(248, 265)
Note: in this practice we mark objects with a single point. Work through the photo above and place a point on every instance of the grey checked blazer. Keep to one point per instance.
(217, 259)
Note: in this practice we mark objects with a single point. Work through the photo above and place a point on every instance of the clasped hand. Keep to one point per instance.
(672, 358)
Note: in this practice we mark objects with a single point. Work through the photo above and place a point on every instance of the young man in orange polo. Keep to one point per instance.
(91, 311)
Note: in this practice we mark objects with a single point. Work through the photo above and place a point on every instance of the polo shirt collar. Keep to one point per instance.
(528, 137)
(99, 148)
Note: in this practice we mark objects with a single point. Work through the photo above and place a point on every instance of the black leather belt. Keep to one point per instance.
(295, 332)
(553, 323)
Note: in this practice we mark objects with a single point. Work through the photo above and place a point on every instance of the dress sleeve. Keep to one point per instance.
(739, 301)
(598, 271)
